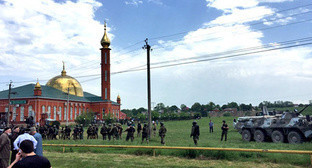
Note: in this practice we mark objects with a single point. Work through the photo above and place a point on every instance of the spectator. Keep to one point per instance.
(24, 135)
(38, 137)
(5, 146)
(13, 137)
(30, 159)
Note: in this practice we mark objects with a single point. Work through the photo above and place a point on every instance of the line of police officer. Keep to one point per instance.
(108, 132)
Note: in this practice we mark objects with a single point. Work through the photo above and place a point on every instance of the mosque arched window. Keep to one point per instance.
(31, 112)
(75, 112)
(22, 113)
(14, 113)
(71, 113)
(65, 113)
(60, 113)
(43, 109)
(49, 112)
(54, 112)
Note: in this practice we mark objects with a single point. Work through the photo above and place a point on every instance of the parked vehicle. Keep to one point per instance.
(290, 127)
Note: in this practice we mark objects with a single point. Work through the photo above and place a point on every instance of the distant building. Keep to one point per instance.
(230, 110)
(50, 101)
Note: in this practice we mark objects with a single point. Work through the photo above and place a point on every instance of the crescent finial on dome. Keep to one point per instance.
(63, 71)
(105, 42)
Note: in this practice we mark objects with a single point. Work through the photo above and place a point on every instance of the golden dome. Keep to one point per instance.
(37, 86)
(63, 82)
(105, 42)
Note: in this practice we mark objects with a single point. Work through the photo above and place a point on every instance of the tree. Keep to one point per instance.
(85, 118)
(196, 107)
(232, 105)
(155, 115)
(173, 108)
(245, 107)
(159, 106)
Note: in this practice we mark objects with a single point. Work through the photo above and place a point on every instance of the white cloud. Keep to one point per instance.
(37, 35)
(134, 2)
(157, 2)
(231, 4)
(247, 79)
(274, 1)
(238, 16)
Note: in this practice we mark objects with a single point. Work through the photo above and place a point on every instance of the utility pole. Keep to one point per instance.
(9, 105)
(148, 48)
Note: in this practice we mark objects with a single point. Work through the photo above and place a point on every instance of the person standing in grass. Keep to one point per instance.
(154, 128)
(145, 133)
(210, 126)
(119, 126)
(109, 131)
(195, 132)
(139, 129)
(104, 131)
(130, 134)
(162, 133)
(225, 129)
(115, 132)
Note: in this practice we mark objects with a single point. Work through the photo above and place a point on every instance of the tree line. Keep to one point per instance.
(173, 112)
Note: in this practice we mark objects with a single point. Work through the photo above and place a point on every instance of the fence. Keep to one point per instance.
(188, 148)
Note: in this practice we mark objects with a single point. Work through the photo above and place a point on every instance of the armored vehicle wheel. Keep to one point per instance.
(259, 136)
(294, 137)
(246, 135)
(277, 136)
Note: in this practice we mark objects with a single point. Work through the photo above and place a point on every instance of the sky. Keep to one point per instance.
(247, 51)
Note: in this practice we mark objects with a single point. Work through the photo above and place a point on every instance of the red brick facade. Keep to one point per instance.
(55, 108)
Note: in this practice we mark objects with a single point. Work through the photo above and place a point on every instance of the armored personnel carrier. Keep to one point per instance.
(290, 127)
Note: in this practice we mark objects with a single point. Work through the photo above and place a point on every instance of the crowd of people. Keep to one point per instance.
(26, 147)
(18, 139)
(108, 131)
(114, 131)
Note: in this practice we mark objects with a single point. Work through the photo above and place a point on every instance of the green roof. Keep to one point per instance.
(27, 91)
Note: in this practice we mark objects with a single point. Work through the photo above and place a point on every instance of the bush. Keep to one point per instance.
(85, 118)
(227, 114)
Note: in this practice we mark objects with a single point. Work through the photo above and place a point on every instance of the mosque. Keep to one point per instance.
(62, 98)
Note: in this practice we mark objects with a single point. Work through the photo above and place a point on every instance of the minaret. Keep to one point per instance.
(37, 89)
(105, 66)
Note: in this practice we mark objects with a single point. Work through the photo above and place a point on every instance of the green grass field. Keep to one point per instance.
(178, 134)
(86, 160)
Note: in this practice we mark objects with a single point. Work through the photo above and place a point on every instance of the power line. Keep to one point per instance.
(231, 56)
(210, 33)
(184, 32)
(209, 39)
(215, 38)
(307, 39)
(207, 57)
(216, 58)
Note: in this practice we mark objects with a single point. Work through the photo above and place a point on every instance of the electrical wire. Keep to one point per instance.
(231, 23)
